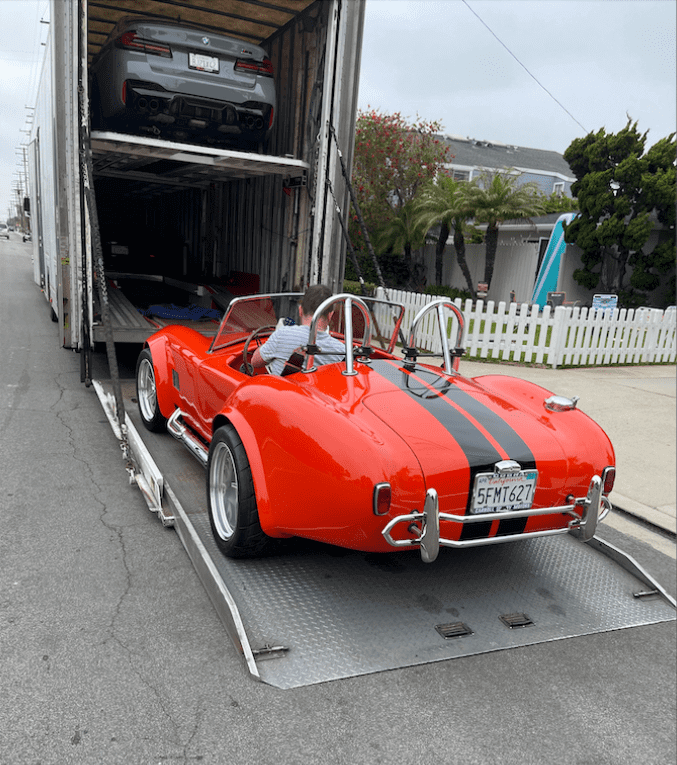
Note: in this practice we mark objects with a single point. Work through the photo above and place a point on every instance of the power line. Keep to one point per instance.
(540, 84)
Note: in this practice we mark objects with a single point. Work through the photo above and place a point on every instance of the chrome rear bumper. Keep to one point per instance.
(424, 527)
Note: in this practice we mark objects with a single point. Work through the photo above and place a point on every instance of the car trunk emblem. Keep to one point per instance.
(205, 40)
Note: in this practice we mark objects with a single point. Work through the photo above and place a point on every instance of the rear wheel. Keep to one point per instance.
(146, 394)
(231, 499)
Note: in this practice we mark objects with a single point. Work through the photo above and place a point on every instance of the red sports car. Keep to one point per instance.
(383, 450)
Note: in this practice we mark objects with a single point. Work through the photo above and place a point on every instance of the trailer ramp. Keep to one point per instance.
(314, 613)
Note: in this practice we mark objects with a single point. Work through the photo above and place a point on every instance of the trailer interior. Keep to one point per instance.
(185, 227)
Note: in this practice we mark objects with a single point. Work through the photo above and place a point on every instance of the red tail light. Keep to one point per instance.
(270, 121)
(264, 67)
(608, 478)
(124, 92)
(382, 497)
(131, 41)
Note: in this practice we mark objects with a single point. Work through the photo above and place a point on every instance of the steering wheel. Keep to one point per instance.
(246, 367)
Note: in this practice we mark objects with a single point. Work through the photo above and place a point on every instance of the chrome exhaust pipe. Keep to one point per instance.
(191, 442)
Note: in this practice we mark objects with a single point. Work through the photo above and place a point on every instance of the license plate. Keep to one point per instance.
(203, 63)
(495, 492)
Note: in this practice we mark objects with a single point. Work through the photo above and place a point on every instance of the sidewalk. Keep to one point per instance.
(636, 407)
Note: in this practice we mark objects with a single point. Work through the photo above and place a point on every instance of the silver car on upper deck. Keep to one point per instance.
(172, 80)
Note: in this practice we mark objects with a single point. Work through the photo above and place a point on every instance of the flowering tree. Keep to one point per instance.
(392, 162)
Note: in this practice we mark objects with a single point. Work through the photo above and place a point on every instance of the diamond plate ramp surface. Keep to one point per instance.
(341, 613)
(348, 615)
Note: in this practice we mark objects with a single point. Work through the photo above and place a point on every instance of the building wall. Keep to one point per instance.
(546, 183)
(515, 269)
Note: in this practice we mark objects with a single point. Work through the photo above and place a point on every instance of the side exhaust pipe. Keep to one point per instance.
(177, 429)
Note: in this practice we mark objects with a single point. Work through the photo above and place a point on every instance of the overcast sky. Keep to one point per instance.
(534, 73)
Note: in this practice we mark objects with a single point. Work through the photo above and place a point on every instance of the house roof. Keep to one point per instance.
(469, 152)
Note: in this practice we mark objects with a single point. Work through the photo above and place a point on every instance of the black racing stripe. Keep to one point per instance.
(479, 451)
(509, 440)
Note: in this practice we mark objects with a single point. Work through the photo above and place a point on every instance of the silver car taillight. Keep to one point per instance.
(608, 479)
(382, 498)
(264, 67)
(131, 41)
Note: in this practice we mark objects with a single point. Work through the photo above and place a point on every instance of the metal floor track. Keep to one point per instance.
(329, 613)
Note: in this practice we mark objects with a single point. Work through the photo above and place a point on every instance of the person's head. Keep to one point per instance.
(313, 298)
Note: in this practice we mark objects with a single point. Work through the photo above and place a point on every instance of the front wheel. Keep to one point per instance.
(146, 394)
(231, 499)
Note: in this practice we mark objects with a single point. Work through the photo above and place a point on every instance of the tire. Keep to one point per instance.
(146, 394)
(231, 499)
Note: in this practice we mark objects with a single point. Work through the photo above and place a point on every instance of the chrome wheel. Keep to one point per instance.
(231, 499)
(147, 392)
(223, 491)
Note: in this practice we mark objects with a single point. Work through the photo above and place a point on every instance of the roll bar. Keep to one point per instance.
(452, 356)
(365, 349)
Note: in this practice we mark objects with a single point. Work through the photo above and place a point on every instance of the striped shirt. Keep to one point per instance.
(279, 347)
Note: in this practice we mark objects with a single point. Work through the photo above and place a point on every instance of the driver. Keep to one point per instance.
(279, 347)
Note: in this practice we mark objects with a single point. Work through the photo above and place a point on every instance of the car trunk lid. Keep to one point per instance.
(200, 55)
(457, 429)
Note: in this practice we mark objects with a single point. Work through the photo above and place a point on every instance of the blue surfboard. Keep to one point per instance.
(548, 274)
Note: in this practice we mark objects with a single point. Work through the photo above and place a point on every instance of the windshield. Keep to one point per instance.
(245, 314)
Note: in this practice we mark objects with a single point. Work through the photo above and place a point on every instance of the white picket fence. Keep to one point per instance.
(566, 336)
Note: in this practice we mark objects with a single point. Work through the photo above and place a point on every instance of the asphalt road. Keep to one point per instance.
(112, 653)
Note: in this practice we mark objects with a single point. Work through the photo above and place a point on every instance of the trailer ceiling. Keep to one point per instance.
(254, 21)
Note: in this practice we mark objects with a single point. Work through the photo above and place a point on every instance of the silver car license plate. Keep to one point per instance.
(203, 63)
(494, 492)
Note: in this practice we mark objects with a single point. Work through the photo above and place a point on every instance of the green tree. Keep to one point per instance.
(559, 204)
(498, 197)
(393, 160)
(622, 191)
(446, 203)
(402, 234)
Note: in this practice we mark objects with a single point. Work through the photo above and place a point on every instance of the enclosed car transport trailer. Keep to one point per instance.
(182, 222)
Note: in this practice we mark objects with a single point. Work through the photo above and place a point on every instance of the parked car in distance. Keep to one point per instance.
(377, 452)
(27, 236)
(4, 231)
(172, 80)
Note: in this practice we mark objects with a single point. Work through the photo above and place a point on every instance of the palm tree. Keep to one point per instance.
(403, 234)
(496, 198)
(446, 203)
